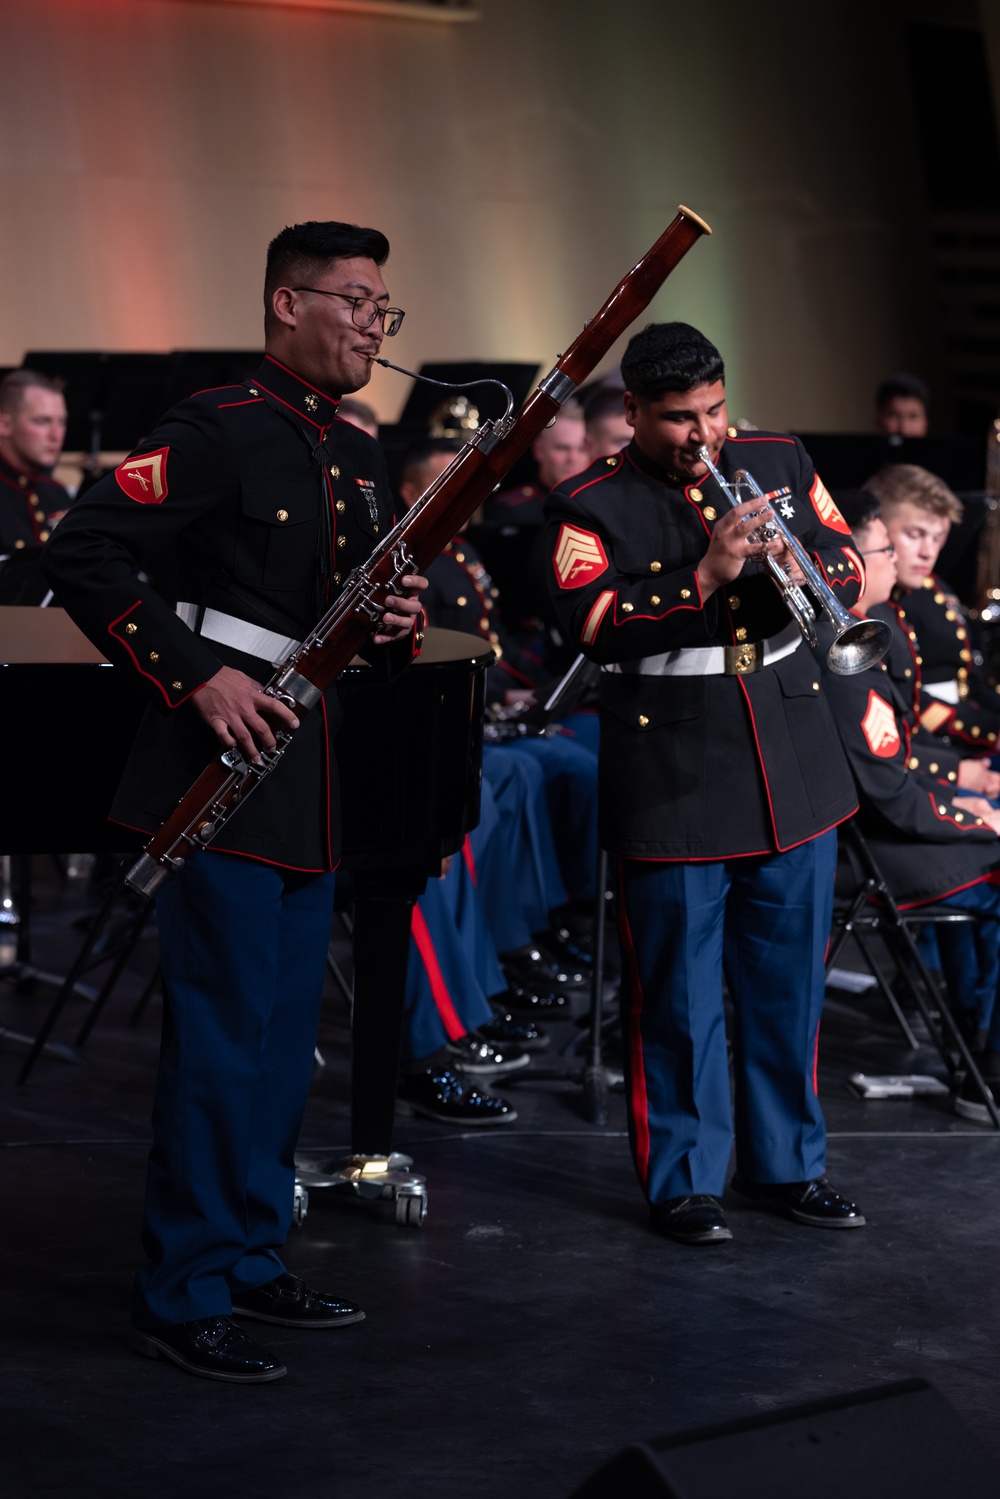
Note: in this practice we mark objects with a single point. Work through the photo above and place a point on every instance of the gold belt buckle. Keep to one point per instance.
(740, 660)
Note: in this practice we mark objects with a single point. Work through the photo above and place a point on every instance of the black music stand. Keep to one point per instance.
(112, 399)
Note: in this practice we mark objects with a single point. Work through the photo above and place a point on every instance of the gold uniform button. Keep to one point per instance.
(494, 593)
(334, 471)
(43, 535)
(734, 601)
(336, 577)
(282, 514)
(154, 655)
(949, 614)
(731, 431)
(643, 721)
(655, 600)
(685, 593)
(919, 660)
(341, 542)
(974, 731)
(39, 514)
(933, 767)
(942, 810)
(958, 724)
(829, 567)
(939, 598)
(928, 583)
(840, 567)
(419, 636)
(459, 556)
(907, 672)
(959, 817)
(708, 512)
(627, 608)
(963, 671)
(611, 462)
(961, 634)
(131, 629)
(177, 686)
(461, 601)
(253, 390)
(340, 507)
(22, 481)
(655, 567)
(815, 687)
(18, 544)
(696, 494)
(912, 762)
(952, 775)
(484, 623)
(741, 633)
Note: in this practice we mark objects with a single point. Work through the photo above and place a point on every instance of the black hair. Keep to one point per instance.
(859, 507)
(902, 385)
(602, 402)
(418, 455)
(670, 356)
(304, 250)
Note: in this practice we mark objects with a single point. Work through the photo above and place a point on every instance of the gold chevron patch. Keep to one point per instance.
(823, 504)
(879, 727)
(144, 479)
(579, 556)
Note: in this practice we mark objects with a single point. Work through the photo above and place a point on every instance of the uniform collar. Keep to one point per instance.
(19, 477)
(305, 400)
(647, 465)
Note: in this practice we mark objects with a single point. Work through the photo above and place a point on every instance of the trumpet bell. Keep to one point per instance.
(859, 646)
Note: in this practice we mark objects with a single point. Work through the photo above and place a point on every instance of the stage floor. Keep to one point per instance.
(529, 1330)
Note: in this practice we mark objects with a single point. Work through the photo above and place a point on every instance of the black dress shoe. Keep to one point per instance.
(477, 1057)
(815, 1203)
(440, 1094)
(212, 1348)
(969, 1102)
(291, 1303)
(503, 1029)
(691, 1220)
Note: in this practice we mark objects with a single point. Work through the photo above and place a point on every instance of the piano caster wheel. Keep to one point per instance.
(300, 1204)
(411, 1209)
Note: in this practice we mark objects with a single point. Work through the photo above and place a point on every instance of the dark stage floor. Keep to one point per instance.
(529, 1330)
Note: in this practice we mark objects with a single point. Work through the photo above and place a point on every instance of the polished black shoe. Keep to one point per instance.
(504, 1030)
(289, 1302)
(440, 1094)
(529, 968)
(212, 1348)
(529, 999)
(815, 1203)
(691, 1220)
(969, 1102)
(476, 1057)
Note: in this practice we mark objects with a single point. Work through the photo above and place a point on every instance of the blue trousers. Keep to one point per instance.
(453, 966)
(243, 951)
(970, 957)
(765, 922)
(518, 786)
(569, 767)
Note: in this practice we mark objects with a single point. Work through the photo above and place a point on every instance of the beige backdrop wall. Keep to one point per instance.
(150, 148)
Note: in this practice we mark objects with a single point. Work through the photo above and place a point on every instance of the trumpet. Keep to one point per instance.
(859, 643)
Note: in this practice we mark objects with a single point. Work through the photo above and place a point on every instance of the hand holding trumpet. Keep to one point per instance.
(735, 541)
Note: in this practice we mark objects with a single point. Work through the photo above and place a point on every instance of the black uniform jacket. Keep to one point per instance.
(522, 506)
(30, 506)
(926, 844)
(931, 754)
(944, 655)
(227, 505)
(460, 596)
(699, 766)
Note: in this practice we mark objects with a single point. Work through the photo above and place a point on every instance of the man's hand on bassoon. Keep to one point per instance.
(237, 709)
(401, 613)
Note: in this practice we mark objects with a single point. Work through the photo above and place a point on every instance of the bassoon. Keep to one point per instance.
(424, 531)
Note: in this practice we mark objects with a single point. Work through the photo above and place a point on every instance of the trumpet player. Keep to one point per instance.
(722, 782)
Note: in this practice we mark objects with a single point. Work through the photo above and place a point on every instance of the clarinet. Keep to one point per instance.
(424, 531)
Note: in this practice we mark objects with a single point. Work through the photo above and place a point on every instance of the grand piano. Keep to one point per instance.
(410, 751)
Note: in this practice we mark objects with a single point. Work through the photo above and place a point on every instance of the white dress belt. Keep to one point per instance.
(711, 660)
(238, 634)
(945, 692)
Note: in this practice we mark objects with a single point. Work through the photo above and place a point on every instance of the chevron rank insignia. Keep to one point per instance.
(879, 727)
(144, 479)
(824, 506)
(579, 556)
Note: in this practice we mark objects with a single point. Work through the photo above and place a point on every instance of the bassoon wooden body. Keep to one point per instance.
(424, 531)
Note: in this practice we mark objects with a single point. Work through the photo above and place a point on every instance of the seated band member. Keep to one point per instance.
(722, 782)
(932, 840)
(901, 404)
(32, 429)
(918, 510)
(265, 502)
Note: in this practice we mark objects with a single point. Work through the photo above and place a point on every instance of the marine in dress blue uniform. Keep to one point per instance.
(721, 784)
(247, 506)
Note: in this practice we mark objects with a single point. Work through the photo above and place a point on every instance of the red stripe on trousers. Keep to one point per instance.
(439, 989)
(638, 1101)
(470, 859)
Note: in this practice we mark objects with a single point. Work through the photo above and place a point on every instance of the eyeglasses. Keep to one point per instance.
(364, 311)
(890, 551)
